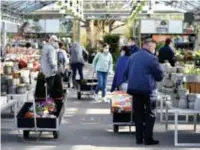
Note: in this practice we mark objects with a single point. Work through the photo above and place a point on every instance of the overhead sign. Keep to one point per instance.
(161, 26)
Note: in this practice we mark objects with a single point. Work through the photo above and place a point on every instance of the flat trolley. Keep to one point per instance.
(40, 124)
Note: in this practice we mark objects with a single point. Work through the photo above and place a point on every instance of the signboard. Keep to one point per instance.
(161, 27)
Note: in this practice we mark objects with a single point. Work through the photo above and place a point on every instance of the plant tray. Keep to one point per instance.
(50, 123)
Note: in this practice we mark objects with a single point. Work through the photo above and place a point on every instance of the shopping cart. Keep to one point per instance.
(86, 86)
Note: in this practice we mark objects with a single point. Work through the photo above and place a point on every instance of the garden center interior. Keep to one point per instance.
(75, 121)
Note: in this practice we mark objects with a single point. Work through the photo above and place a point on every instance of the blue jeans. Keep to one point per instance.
(102, 81)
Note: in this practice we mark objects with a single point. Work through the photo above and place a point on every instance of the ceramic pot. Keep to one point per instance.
(16, 81)
(197, 104)
(8, 69)
(21, 90)
(191, 105)
(193, 96)
(30, 65)
(182, 103)
(10, 82)
(183, 92)
(174, 77)
(3, 80)
(173, 70)
(192, 78)
(180, 69)
(12, 90)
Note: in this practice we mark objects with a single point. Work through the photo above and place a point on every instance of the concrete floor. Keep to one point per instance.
(87, 125)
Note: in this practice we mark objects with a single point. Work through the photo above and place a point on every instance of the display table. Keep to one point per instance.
(177, 112)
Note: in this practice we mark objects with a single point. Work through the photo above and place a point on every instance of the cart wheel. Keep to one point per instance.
(26, 134)
(79, 95)
(115, 128)
(55, 134)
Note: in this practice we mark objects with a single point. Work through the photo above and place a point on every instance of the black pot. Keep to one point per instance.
(3, 80)
(10, 82)
(21, 90)
(12, 90)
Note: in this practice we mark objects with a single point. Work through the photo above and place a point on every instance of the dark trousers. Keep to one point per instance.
(144, 117)
(50, 82)
(75, 67)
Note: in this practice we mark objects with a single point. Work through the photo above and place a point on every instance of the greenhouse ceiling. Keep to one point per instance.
(14, 10)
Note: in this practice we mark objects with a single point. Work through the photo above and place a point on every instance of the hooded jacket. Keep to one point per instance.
(76, 52)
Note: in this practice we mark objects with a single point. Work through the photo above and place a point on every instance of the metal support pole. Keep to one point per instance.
(4, 34)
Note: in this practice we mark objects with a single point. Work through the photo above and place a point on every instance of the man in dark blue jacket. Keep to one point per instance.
(143, 72)
(133, 47)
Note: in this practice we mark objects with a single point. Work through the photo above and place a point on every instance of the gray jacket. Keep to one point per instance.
(48, 60)
(76, 52)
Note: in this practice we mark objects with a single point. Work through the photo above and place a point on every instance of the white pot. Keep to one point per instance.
(192, 78)
(191, 105)
(173, 70)
(197, 104)
(182, 103)
(174, 77)
(183, 92)
(193, 96)
(30, 65)
(180, 69)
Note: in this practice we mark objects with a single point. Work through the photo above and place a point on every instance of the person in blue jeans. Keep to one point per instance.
(102, 64)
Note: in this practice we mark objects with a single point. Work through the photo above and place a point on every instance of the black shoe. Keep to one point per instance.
(152, 142)
(139, 142)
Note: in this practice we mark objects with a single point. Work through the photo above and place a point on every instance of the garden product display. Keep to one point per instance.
(44, 109)
(121, 102)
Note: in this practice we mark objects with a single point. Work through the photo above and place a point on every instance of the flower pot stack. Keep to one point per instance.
(186, 96)
(172, 84)
(12, 82)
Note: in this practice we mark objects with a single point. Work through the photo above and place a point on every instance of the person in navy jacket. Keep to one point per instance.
(122, 62)
(167, 54)
(132, 45)
(142, 73)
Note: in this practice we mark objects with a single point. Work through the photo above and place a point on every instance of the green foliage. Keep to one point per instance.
(113, 41)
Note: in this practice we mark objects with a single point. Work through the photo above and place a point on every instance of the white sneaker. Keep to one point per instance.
(95, 96)
(105, 100)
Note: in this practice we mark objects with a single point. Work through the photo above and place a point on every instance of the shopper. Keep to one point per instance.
(102, 64)
(132, 45)
(166, 53)
(143, 72)
(49, 61)
(63, 60)
(77, 60)
(120, 69)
